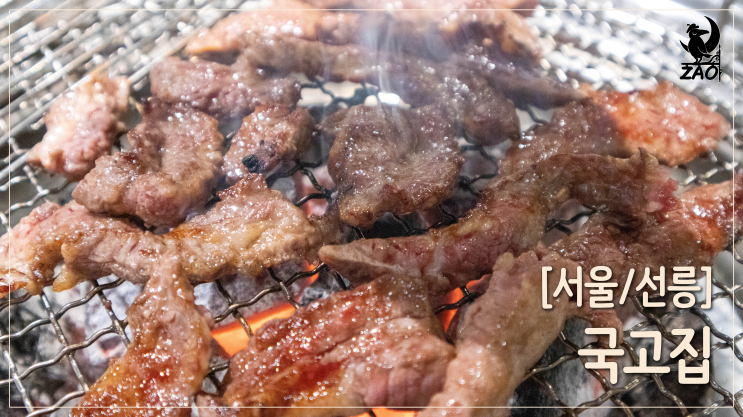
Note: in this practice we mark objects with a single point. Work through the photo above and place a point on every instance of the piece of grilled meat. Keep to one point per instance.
(387, 159)
(222, 91)
(81, 126)
(167, 358)
(251, 228)
(670, 124)
(169, 173)
(377, 345)
(433, 28)
(510, 217)
(269, 136)
(302, 41)
(284, 18)
(506, 330)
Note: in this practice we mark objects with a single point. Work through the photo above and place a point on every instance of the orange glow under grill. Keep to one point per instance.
(234, 339)
(447, 315)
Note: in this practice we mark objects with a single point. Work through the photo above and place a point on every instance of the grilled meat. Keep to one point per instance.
(503, 334)
(702, 225)
(387, 159)
(522, 83)
(250, 229)
(429, 27)
(174, 163)
(477, 109)
(167, 359)
(222, 91)
(378, 345)
(319, 43)
(673, 126)
(284, 18)
(92, 245)
(269, 136)
(440, 27)
(81, 126)
(506, 330)
(14, 272)
(510, 217)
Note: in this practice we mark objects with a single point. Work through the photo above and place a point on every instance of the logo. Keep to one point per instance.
(706, 53)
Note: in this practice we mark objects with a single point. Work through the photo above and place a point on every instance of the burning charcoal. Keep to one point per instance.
(241, 288)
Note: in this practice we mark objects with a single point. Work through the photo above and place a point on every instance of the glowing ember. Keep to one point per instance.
(447, 315)
(233, 337)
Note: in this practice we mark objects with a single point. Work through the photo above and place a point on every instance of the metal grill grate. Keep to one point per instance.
(45, 53)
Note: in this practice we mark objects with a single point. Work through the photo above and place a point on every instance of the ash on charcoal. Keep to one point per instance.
(46, 385)
(242, 288)
(572, 383)
(325, 285)
(81, 323)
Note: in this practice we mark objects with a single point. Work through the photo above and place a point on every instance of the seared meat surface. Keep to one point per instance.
(503, 334)
(166, 360)
(510, 217)
(319, 43)
(671, 125)
(387, 159)
(522, 83)
(440, 27)
(269, 136)
(477, 109)
(14, 271)
(220, 90)
(81, 126)
(253, 227)
(92, 245)
(377, 345)
(698, 228)
(169, 173)
(424, 27)
(506, 330)
(284, 19)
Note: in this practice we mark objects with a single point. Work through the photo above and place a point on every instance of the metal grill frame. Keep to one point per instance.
(15, 170)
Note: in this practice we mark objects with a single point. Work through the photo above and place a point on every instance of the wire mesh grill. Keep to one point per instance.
(46, 52)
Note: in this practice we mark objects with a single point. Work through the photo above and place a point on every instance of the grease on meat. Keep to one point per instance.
(506, 330)
(377, 345)
(166, 360)
(174, 163)
(92, 245)
(252, 228)
(477, 109)
(429, 27)
(387, 159)
(671, 125)
(269, 136)
(14, 271)
(461, 32)
(220, 90)
(284, 18)
(81, 126)
(510, 217)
